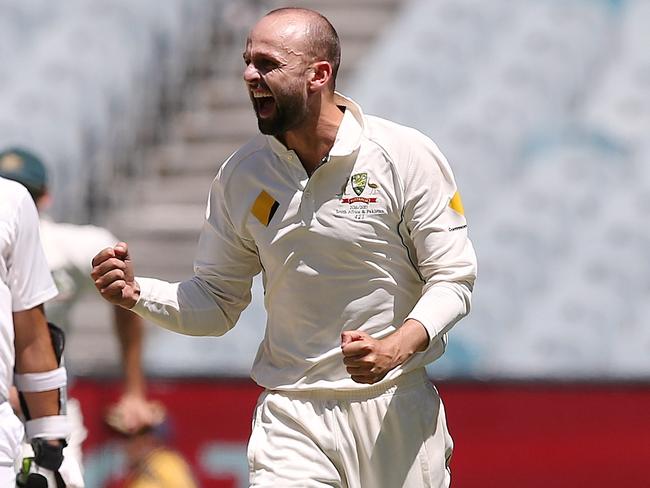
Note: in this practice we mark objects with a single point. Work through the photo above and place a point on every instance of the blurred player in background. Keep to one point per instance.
(151, 464)
(28, 348)
(359, 231)
(69, 249)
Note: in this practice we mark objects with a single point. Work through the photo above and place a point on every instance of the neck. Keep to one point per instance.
(313, 140)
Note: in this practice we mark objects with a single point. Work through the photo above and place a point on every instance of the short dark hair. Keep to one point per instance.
(323, 42)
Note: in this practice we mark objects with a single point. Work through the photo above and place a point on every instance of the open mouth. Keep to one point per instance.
(264, 104)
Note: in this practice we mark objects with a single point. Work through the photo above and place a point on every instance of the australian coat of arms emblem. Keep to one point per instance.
(359, 182)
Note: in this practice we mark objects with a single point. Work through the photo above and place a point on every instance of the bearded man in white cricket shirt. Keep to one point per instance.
(358, 229)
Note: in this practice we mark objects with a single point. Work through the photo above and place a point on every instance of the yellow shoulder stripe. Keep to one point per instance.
(457, 204)
(264, 207)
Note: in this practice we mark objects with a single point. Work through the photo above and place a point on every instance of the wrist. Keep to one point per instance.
(134, 296)
(399, 350)
(416, 334)
(137, 393)
(410, 338)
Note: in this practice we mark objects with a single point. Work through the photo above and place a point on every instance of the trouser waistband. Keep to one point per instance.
(404, 381)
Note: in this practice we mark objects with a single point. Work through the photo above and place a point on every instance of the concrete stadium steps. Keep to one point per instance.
(354, 20)
(160, 220)
(173, 159)
(180, 189)
(323, 5)
(219, 92)
(226, 124)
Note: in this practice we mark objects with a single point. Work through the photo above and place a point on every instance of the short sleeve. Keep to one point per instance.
(28, 275)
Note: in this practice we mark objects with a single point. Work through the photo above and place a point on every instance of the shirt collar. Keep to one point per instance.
(348, 136)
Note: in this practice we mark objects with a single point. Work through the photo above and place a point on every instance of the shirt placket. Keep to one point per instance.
(303, 187)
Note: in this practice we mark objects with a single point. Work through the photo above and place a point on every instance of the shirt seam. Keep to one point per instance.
(391, 161)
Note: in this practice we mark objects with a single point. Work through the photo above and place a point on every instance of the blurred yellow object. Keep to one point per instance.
(162, 468)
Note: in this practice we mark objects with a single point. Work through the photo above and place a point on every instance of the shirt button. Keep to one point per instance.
(290, 157)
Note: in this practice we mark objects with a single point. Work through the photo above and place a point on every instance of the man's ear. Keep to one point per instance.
(320, 75)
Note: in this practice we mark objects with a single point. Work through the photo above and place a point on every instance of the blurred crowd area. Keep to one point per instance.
(542, 107)
(88, 85)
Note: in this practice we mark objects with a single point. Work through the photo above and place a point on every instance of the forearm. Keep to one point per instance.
(46, 425)
(35, 354)
(191, 307)
(129, 330)
(441, 306)
(435, 313)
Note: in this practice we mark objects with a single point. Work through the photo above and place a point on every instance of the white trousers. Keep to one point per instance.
(11, 436)
(7, 476)
(388, 436)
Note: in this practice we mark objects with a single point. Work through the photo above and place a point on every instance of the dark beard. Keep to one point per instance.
(289, 113)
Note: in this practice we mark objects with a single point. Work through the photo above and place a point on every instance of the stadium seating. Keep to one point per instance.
(80, 79)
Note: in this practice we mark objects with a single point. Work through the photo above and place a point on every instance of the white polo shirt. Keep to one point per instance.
(25, 279)
(376, 235)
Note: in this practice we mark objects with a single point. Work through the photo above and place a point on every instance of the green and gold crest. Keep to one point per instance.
(359, 182)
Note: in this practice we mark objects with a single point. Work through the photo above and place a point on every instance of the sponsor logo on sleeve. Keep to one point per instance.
(457, 204)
